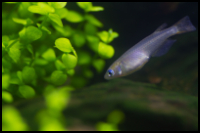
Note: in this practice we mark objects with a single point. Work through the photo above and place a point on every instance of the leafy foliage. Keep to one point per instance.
(41, 50)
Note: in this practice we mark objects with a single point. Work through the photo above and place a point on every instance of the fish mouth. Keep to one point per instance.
(106, 77)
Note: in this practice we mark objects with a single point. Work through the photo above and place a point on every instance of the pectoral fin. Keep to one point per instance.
(163, 49)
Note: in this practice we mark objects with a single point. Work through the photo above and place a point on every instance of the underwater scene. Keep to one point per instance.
(99, 66)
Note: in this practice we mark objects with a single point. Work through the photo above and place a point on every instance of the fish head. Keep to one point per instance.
(126, 66)
(113, 71)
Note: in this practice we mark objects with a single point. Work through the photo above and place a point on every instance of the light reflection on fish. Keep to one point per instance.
(156, 44)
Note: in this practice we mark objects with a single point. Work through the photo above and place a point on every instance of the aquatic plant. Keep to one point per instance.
(49, 50)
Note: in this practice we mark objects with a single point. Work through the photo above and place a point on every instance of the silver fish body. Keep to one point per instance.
(156, 44)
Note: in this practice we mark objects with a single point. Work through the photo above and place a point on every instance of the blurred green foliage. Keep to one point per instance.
(44, 46)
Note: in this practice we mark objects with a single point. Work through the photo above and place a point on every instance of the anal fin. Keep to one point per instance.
(164, 48)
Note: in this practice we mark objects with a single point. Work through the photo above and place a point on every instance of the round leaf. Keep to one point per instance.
(49, 55)
(56, 19)
(74, 17)
(93, 42)
(79, 39)
(7, 97)
(103, 36)
(63, 44)
(85, 5)
(12, 120)
(32, 33)
(62, 12)
(28, 74)
(5, 81)
(59, 65)
(93, 20)
(69, 61)
(105, 51)
(96, 8)
(57, 4)
(84, 58)
(41, 8)
(58, 78)
(90, 29)
(26, 91)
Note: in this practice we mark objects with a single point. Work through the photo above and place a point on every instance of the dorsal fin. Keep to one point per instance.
(161, 27)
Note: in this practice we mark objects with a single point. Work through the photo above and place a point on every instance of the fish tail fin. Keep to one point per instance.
(184, 25)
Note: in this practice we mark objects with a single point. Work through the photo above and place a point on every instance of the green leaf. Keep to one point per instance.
(58, 78)
(30, 48)
(14, 53)
(105, 51)
(115, 117)
(90, 29)
(59, 65)
(66, 31)
(107, 37)
(5, 81)
(102, 126)
(7, 97)
(23, 21)
(5, 41)
(19, 75)
(56, 19)
(33, 33)
(40, 62)
(91, 19)
(85, 5)
(71, 72)
(63, 44)
(26, 91)
(12, 120)
(23, 10)
(22, 34)
(57, 4)
(93, 42)
(78, 39)
(49, 55)
(36, 9)
(15, 44)
(28, 74)
(62, 12)
(42, 8)
(44, 28)
(96, 8)
(84, 58)
(98, 64)
(20, 21)
(69, 61)
(30, 33)
(57, 99)
(74, 17)
(103, 36)
(112, 35)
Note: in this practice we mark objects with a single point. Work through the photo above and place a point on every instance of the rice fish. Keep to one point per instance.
(156, 44)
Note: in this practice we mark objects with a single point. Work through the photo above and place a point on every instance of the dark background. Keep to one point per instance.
(136, 20)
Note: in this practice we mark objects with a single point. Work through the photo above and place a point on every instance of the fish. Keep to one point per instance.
(156, 44)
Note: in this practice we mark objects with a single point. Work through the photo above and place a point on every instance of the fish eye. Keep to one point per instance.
(110, 72)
